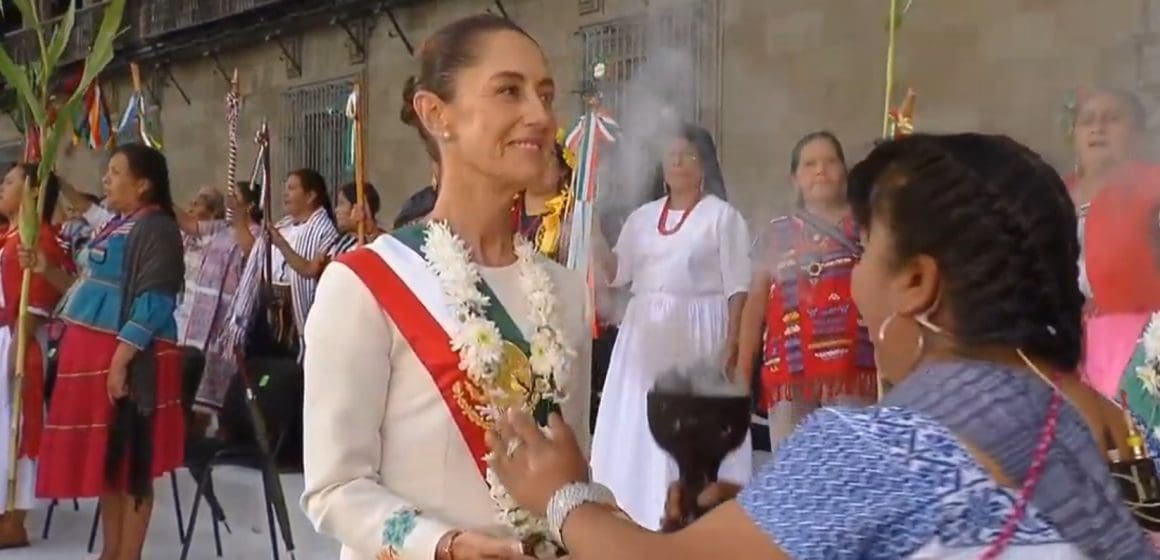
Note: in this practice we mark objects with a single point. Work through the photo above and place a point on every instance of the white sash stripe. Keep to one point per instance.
(413, 271)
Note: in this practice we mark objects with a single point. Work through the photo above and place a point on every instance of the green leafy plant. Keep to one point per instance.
(32, 82)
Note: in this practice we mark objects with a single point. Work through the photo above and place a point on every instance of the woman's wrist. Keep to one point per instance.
(445, 549)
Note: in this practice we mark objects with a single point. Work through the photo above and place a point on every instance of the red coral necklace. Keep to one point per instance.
(662, 223)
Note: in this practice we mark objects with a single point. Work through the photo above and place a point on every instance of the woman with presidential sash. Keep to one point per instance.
(420, 338)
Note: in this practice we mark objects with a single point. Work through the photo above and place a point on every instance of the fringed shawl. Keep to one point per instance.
(154, 262)
(317, 236)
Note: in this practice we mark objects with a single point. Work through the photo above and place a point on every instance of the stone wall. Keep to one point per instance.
(783, 69)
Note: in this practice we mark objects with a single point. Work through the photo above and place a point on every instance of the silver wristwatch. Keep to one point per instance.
(569, 498)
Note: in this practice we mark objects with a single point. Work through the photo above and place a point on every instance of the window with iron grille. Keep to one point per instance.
(624, 46)
(317, 133)
(11, 152)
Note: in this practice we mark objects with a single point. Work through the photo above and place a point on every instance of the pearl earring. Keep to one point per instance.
(446, 135)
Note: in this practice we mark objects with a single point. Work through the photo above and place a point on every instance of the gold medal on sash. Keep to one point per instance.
(514, 382)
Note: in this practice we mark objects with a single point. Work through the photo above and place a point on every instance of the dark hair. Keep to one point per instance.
(91, 197)
(416, 207)
(795, 155)
(149, 164)
(1000, 224)
(1137, 114)
(441, 56)
(50, 192)
(215, 203)
(566, 170)
(349, 191)
(702, 141)
(252, 196)
(312, 182)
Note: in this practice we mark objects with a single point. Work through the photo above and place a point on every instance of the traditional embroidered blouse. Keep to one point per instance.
(95, 301)
(815, 344)
(895, 485)
(42, 297)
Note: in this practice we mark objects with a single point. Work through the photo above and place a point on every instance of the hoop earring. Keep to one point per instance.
(884, 330)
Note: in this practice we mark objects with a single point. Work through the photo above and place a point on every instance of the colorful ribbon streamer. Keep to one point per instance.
(135, 113)
(593, 131)
(94, 127)
(356, 157)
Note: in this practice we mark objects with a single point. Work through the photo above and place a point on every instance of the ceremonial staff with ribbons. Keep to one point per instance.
(233, 113)
(135, 112)
(594, 131)
(354, 112)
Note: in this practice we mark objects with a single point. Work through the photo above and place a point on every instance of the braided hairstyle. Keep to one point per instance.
(1000, 224)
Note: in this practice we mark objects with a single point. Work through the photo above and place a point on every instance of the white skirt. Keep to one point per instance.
(658, 332)
(26, 468)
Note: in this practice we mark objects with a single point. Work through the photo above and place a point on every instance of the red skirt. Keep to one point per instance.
(74, 447)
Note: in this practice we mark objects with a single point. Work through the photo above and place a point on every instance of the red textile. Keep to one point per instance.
(1121, 255)
(815, 345)
(431, 345)
(42, 298)
(73, 452)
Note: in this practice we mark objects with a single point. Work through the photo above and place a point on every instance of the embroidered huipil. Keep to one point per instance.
(896, 485)
(815, 345)
(212, 299)
(95, 300)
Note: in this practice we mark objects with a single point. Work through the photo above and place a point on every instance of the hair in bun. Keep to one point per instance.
(407, 112)
(441, 57)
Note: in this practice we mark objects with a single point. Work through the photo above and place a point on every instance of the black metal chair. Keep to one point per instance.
(48, 516)
(249, 448)
(97, 515)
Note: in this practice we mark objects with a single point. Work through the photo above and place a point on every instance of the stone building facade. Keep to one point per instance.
(764, 72)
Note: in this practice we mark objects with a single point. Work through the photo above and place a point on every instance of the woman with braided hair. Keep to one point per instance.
(983, 448)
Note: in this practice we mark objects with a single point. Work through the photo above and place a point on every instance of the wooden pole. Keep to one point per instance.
(16, 424)
(360, 164)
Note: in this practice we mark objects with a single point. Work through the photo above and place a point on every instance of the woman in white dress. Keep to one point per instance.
(685, 259)
(394, 450)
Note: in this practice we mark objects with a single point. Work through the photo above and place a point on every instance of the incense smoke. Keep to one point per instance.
(701, 378)
(658, 98)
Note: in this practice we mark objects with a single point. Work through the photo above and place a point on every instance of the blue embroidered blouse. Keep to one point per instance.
(885, 483)
(96, 298)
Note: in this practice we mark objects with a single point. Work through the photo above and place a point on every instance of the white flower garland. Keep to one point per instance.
(1149, 371)
(480, 347)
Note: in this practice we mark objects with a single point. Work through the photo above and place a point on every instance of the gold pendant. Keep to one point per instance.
(514, 383)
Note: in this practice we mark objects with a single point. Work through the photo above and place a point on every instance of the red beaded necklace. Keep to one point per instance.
(1034, 473)
(662, 223)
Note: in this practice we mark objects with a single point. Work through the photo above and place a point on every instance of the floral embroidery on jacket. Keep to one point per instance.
(395, 532)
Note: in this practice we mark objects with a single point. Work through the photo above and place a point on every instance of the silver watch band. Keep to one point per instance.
(572, 496)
